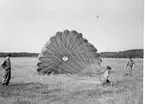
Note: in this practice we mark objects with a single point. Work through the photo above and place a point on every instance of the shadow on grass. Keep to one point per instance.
(33, 93)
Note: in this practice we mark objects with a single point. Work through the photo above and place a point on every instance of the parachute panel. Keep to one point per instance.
(68, 52)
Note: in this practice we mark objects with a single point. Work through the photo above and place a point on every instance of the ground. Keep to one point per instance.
(27, 87)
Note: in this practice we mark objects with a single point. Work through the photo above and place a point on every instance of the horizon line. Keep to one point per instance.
(39, 52)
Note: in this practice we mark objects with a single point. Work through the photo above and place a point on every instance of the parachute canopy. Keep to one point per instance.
(68, 52)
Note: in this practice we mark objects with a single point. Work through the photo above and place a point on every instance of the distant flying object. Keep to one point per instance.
(97, 16)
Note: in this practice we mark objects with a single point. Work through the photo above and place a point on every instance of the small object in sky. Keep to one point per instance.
(97, 16)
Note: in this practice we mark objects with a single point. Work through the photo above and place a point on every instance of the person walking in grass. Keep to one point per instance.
(6, 65)
(129, 66)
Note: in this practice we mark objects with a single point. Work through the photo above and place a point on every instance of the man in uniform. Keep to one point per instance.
(6, 65)
(129, 65)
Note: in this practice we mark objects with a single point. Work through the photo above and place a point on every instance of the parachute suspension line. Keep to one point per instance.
(91, 56)
(65, 41)
(58, 47)
(51, 64)
(82, 59)
(72, 39)
(56, 56)
(79, 51)
(75, 58)
(72, 71)
(89, 59)
(68, 52)
(82, 55)
(86, 67)
(92, 59)
(52, 51)
(49, 52)
(58, 59)
(92, 70)
(64, 57)
(71, 54)
(65, 64)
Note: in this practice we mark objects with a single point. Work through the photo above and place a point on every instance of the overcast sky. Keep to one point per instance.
(25, 25)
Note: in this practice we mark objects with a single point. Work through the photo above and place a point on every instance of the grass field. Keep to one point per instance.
(27, 87)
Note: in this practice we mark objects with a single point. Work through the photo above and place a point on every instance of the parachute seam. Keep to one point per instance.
(71, 40)
(58, 46)
(78, 44)
(50, 65)
(65, 63)
(56, 57)
(79, 52)
(71, 54)
(88, 56)
(69, 51)
(52, 51)
(55, 47)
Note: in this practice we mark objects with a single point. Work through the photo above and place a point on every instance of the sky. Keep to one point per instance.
(26, 25)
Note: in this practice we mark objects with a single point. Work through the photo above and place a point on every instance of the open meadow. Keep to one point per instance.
(27, 87)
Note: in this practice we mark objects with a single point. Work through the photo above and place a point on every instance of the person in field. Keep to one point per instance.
(129, 66)
(105, 73)
(6, 65)
(106, 76)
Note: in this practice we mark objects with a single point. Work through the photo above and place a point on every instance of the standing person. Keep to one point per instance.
(6, 65)
(129, 65)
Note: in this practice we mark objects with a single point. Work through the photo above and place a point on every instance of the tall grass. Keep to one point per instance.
(27, 88)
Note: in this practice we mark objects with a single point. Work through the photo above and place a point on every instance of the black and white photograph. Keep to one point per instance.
(71, 51)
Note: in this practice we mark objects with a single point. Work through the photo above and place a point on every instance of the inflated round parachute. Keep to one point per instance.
(68, 52)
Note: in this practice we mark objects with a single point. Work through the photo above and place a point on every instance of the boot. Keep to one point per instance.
(6, 84)
(3, 84)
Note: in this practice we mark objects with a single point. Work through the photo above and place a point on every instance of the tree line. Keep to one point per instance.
(134, 53)
(19, 54)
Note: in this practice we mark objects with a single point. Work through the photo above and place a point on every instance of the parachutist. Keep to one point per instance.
(97, 16)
